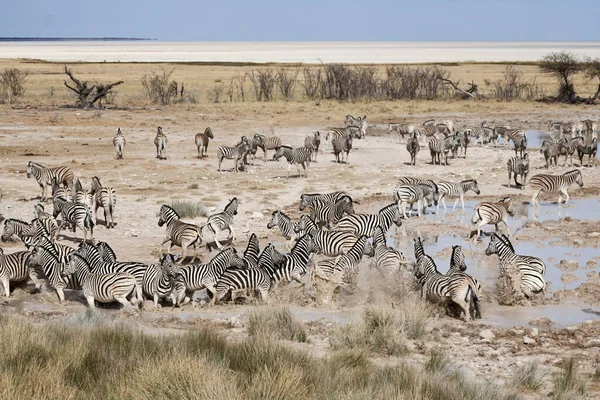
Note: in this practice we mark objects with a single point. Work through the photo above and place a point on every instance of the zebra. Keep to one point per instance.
(44, 176)
(47, 257)
(159, 279)
(457, 260)
(519, 140)
(402, 129)
(252, 252)
(235, 153)
(462, 142)
(590, 126)
(457, 287)
(119, 142)
(427, 132)
(448, 125)
(178, 233)
(160, 141)
(590, 149)
(106, 252)
(349, 131)
(13, 268)
(295, 156)
(343, 270)
(204, 276)
(518, 166)
(386, 259)
(234, 280)
(482, 133)
(64, 192)
(295, 264)
(365, 224)
(456, 191)
(572, 128)
(21, 229)
(550, 150)
(78, 215)
(105, 197)
(341, 145)
(47, 220)
(267, 143)
(104, 288)
(437, 146)
(412, 193)
(492, 213)
(287, 227)
(331, 243)
(360, 123)
(554, 184)
(568, 147)
(60, 251)
(324, 212)
(531, 269)
(413, 147)
(201, 140)
(427, 185)
(313, 143)
(83, 196)
(223, 220)
(306, 200)
(270, 259)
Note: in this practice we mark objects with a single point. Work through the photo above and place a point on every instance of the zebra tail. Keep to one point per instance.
(476, 217)
(474, 304)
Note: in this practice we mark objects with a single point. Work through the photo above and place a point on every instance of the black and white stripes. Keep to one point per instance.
(294, 156)
(554, 184)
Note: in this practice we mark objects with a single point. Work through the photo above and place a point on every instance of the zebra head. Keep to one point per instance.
(232, 206)
(234, 259)
(418, 246)
(368, 249)
(29, 168)
(159, 131)
(166, 215)
(106, 252)
(493, 246)
(579, 178)
(425, 266)
(304, 224)
(96, 185)
(457, 259)
(280, 152)
(9, 229)
(208, 133)
(35, 258)
(312, 246)
(508, 202)
(169, 265)
(346, 204)
(305, 201)
(119, 131)
(397, 218)
(274, 220)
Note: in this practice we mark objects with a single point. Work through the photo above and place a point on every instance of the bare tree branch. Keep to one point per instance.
(472, 92)
(88, 95)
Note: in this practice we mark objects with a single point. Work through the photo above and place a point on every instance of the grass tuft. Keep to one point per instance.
(189, 209)
(528, 377)
(278, 323)
(568, 383)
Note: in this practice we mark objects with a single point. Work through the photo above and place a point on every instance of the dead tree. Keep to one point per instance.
(470, 92)
(88, 94)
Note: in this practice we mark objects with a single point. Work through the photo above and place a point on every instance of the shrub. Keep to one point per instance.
(275, 322)
(189, 209)
(159, 88)
(14, 80)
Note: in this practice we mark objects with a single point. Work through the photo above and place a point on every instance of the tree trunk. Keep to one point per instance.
(88, 95)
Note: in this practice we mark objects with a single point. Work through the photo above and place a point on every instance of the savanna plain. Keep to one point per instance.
(378, 340)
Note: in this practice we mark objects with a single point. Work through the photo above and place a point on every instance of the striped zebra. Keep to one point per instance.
(554, 184)
(492, 213)
(438, 146)
(13, 268)
(427, 184)
(456, 191)
(482, 134)
(365, 224)
(531, 269)
(518, 137)
(408, 195)
(343, 270)
(295, 265)
(78, 215)
(60, 251)
(104, 288)
(178, 233)
(46, 257)
(550, 151)
(83, 196)
(201, 140)
(285, 225)
(313, 143)
(106, 252)
(223, 220)
(236, 280)
(323, 212)
(567, 148)
(591, 126)
(457, 260)
(569, 128)
(402, 129)
(386, 259)
(119, 142)
(159, 279)
(306, 200)
(160, 141)
(518, 166)
(252, 252)
(341, 145)
(591, 149)
(457, 287)
(267, 143)
(235, 153)
(427, 132)
(331, 243)
(462, 142)
(105, 197)
(47, 220)
(360, 123)
(349, 131)
(295, 156)
(22, 229)
(44, 176)
(204, 276)
(63, 192)
(413, 147)
(448, 125)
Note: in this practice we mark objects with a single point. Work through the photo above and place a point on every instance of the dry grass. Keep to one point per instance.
(528, 377)
(189, 209)
(568, 383)
(277, 323)
(92, 358)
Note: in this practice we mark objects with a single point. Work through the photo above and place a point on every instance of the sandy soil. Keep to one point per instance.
(83, 141)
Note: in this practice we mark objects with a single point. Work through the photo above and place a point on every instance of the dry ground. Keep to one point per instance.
(35, 128)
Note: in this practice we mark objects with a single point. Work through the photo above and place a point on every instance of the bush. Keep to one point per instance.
(189, 209)
(263, 82)
(159, 88)
(14, 80)
(277, 323)
(513, 87)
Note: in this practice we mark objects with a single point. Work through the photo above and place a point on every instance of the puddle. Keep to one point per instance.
(564, 315)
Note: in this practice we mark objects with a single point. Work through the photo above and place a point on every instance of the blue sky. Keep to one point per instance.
(309, 20)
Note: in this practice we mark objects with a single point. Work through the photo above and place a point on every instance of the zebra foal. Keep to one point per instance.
(119, 142)
(518, 166)
(413, 147)
(492, 213)
(105, 197)
(201, 140)
(223, 220)
(160, 141)
(235, 153)
(313, 143)
(178, 233)
(341, 145)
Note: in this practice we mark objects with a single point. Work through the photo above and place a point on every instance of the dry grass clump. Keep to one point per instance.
(384, 329)
(91, 358)
(189, 209)
(568, 383)
(528, 377)
(277, 323)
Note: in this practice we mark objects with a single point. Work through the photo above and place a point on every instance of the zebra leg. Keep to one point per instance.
(183, 252)
(34, 278)
(6, 284)
(162, 244)
(61, 294)
(232, 232)
(419, 207)
(90, 301)
(462, 201)
(534, 201)
(123, 301)
(155, 301)
(505, 224)
(289, 168)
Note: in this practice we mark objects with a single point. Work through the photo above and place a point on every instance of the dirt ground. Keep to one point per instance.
(82, 140)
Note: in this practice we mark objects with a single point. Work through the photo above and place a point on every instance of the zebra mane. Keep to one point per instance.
(171, 209)
(33, 163)
(232, 203)
(286, 147)
(506, 241)
(45, 250)
(387, 207)
(18, 221)
(302, 238)
(284, 215)
(573, 171)
(469, 181)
